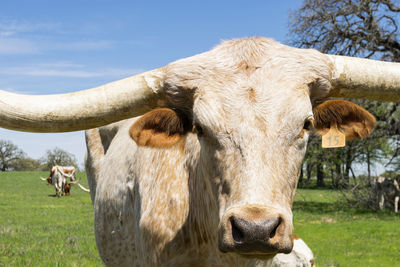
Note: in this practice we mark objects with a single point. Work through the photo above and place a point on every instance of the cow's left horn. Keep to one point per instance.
(85, 109)
(80, 186)
(365, 78)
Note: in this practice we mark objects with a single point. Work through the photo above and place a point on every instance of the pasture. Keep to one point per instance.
(37, 229)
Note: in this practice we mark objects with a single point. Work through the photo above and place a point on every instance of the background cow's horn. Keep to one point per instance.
(365, 78)
(85, 109)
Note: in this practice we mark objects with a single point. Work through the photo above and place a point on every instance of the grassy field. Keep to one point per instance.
(339, 236)
(37, 229)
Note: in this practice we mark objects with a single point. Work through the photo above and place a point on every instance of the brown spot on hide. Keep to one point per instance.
(68, 171)
(246, 68)
(295, 237)
(352, 119)
(162, 127)
(252, 95)
(49, 182)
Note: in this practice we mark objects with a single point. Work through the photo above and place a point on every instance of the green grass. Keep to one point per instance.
(340, 236)
(37, 229)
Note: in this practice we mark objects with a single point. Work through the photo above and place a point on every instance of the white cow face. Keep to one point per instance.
(252, 115)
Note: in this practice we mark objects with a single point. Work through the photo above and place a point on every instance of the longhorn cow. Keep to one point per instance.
(58, 177)
(207, 173)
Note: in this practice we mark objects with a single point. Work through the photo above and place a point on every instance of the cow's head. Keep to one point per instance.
(67, 189)
(250, 104)
(50, 178)
(252, 117)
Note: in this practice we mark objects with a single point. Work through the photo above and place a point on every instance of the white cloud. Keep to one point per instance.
(79, 46)
(22, 37)
(6, 33)
(9, 46)
(12, 46)
(60, 64)
(13, 27)
(65, 70)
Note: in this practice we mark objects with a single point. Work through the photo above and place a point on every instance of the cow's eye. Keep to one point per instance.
(198, 129)
(307, 124)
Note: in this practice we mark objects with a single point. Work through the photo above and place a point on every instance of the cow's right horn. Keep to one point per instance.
(365, 78)
(85, 109)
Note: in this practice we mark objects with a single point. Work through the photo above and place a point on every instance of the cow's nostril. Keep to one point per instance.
(273, 232)
(237, 234)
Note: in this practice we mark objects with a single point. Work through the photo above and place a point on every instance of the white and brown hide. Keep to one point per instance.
(210, 179)
(58, 180)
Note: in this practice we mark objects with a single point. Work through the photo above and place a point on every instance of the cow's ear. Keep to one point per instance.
(162, 127)
(352, 119)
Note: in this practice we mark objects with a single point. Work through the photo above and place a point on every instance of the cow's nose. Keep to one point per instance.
(250, 233)
(255, 232)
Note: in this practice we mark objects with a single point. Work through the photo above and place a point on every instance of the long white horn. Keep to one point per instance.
(365, 78)
(85, 109)
(83, 188)
(44, 179)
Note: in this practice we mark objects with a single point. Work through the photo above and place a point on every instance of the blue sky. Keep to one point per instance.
(63, 46)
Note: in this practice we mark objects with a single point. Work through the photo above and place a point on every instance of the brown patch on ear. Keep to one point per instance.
(355, 121)
(162, 127)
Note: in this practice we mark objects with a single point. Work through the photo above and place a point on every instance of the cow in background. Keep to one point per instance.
(67, 171)
(59, 178)
(387, 190)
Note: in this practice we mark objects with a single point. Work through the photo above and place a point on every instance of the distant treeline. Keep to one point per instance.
(13, 158)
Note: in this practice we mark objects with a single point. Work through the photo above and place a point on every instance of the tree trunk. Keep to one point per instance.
(346, 174)
(338, 174)
(320, 175)
(301, 174)
(308, 171)
(354, 177)
(368, 165)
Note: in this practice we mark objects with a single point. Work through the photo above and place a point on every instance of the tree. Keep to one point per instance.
(58, 156)
(364, 28)
(9, 153)
(27, 164)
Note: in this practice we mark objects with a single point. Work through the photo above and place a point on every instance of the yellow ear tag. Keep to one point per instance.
(333, 138)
